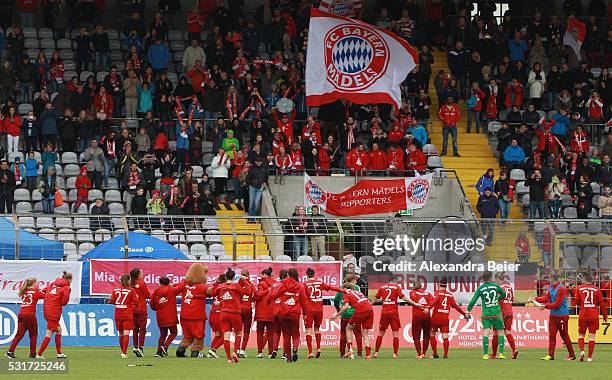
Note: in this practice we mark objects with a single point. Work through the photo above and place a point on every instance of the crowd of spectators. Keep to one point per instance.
(144, 105)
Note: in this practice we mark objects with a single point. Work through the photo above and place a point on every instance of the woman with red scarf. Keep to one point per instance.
(232, 107)
(579, 141)
(283, 163)
(56, 72)
(237, 165)
(103, 101)
(547, 142)
(324, 160)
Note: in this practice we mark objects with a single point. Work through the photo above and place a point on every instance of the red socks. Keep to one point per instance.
(378, 343)
(368, 350)
(237, 343)
(121, 344)
(495, 343)
(245, 339)
(395, 345)
(43, 345)
(417, 346)
(135, 339)
(126, 343)
(32, 345)
(309, 343)
(425, 344)
(318, 339)
(446, 345)
(58, 343)
(591, 348)
(226, 346)
(581, 344)
(510, 340)
(434, 344)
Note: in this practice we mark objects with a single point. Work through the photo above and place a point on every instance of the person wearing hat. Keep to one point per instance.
(83, 185)
(19, 170)
(230, 144)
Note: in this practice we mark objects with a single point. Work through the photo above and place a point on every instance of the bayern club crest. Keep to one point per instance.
(355, 57)
(417, 191)
(341, 7)
(314, 194)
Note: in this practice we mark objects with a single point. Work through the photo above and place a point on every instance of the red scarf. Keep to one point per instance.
(350, 136)
(230, 104)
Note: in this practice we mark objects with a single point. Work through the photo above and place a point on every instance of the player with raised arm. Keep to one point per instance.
(440, 307)
(57, 295)
(125, 299)
(390, 294)
(26, 319)
(163, 302)
(421, 319)
(362, 319)
(140, 313)
(590, 300)
(314, 289)
(490, 293)
(507, 315)
(276, 325)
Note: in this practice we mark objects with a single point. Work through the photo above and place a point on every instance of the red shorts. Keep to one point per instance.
(439, 326)
(52, 325)
(192, 328)
(365, 319)
(591, 324)
(313, 319)
(231, 322)
(124, 324)
(214, 321)
(387, 320)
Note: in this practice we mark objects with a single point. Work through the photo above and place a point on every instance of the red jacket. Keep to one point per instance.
(357, 161)
(561, 295)
(57, 295)
(595, 108)
(83, 185)
(396, 158)
(283, 162)
(514, 95)
(231, 297)
(161, 142)
(264, 304)
(30, 299)
(26, 5)
(307, 132)
(449, 115)
(292, 298)
(163, 302)
(377, 160)
(546, 141)
(12, 126)
(314, 288)
(125, 301)
(195, 22)
(247, 295)
(395, 136)
(419, 158)
(324, 160)
(143, 294)
(296, 160)
(480, 96)
(285, 128)
(579, 142)
(105, 103)
(193, 300)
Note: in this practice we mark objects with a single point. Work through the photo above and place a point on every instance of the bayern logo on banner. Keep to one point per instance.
(357, 61)
(346, 8)
(417, 190)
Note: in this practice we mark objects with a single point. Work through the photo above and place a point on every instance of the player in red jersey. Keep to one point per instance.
(194, 292)
(589, 299)
(264, 314)
(163, 302)
(125, 299)
(246, 309)
(215, 320)
(441, 305)
(57, 294)
(26, 319)
(390, 294)
(421, 322)
(276, 325)
(362, 319)
(230, 294)
(140, 313)
(507, 316)
(292, 303)
(314, 289)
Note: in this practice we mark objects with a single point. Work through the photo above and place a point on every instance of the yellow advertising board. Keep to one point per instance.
(604, 334)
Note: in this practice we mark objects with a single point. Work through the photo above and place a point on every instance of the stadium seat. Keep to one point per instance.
(29, 32)
(596, 188)
(195, 236)
(70, 248)
(47, 43)
(282, 258)
(494, 126)
(81, 223)
(517, 174)
(263, 258)
(198, 250)
(84, 235)
(112, 196)
(38, 208)
(571, 257)
(69, 158)
(570, 212)
(327, 258)
(72, 170)
(31, 43)
(23, 207)
(47, 233)
(27, 221)
(176, 236)
(182, 247)
(65, 234)
(102, 235)
(82, 209)
(521, 188)
(23, 109)
(213, 236)
(175, 35)
(207, 258)
(95, 194)
(64, 209)
(45, 33)
(71, 256)
(606, 258)
(434, 162)
(116, 208)
(304, 258)
(225, 258)
(207, 146)
(594, 227)
(364, 260)
(44, 222)
(21, 195)
(85, 247)
(13, 155)
(66, 54)
(160, 234)
(216, 250)
(85, 75)
(198, 171)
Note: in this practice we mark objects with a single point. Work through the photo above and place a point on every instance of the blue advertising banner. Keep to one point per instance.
(83, 325)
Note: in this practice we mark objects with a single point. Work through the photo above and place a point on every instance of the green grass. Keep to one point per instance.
(105, 363)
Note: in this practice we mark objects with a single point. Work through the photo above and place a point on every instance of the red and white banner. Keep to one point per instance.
(104, 274)
(349, 59)
(574, 34)
(346, 8)
(368, 197)
(13, 273)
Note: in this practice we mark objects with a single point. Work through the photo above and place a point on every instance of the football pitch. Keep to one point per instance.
(105, 363)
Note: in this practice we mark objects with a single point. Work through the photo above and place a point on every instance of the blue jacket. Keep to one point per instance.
(48, 122)
(561, 125)
(158, 56)
(182, 142)
(420, 133)
(485, 182)
(31, 166)
(29, 128)
(488, 207)
(514, 154)
(22, 170)
(517, 50)
(561, 310)
(49, 159)
(145, 99)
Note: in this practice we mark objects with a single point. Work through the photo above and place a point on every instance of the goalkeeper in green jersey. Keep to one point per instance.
(490, 293)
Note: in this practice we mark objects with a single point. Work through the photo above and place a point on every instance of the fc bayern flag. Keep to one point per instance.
(574, 34)
(349, 59)
(347, 8)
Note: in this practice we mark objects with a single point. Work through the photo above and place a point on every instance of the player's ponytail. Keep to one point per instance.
(293, 273)
(267, 272)
(310, 272)
(134, 274)
(26, 284)
(125, 280)
(282, 274)
(67, 276)
(230, 274)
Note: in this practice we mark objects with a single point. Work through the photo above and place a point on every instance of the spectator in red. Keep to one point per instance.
(197, 76)
(103, 101)
(11, 125)
(377, 160)
(595, 108)
(357, 159)
(56, 72)
(195, 21)
(312, 127)
(547, 142)
(395, 160)
(296, 158)
(513, 94)
(416, 159)
(26, 9)
(396, 134)
(449, 114)
(283, 164)
(474, 106)
(324, 160)
(579, 141)
(83, 185)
